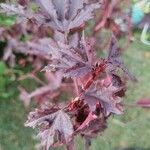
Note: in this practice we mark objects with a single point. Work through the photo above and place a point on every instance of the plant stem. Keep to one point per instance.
(76, 87)
(87, 143)
(71, 145)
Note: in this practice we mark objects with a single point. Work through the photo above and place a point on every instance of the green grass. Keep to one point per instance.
(13, 135)
(7, 21)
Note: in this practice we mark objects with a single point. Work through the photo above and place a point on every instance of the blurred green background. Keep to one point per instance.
(130, 131)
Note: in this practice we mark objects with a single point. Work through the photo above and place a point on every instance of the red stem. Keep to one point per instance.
(76, 87)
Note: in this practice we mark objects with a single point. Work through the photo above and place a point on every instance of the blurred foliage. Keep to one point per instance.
(129, 130)
(13, 135)
(7, 20)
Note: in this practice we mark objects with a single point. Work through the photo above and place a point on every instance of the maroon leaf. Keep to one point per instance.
(72, 61)
(51, 122)
(105, 94)
(89, 118)
(66, 15)
(115, 60)
(92, 125)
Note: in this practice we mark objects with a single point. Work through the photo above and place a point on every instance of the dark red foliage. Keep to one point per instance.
(57, 38)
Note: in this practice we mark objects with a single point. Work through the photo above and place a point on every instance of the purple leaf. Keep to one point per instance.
(115, 60)
(50, 122)
(105, 95)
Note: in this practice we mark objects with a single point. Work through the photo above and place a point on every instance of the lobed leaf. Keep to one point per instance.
(105, 95)
(115, 60)
(50, 122)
